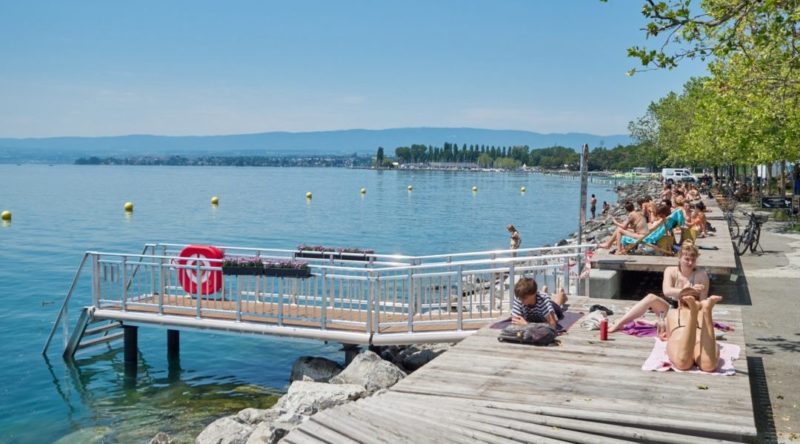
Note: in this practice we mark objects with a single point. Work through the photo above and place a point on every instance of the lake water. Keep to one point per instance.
(61, 211)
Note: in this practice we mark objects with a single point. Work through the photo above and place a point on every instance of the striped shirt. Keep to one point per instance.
(538, 312)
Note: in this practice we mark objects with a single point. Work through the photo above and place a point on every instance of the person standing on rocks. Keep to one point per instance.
(593, 206)
(516, 240)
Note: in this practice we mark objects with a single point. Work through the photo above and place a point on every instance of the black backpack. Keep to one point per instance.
(537, 333)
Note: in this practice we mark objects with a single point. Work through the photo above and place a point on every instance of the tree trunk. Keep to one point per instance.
(783, 179)
(756, 185)
(769, 180)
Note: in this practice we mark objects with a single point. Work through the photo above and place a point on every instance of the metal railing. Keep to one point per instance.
(376, 299)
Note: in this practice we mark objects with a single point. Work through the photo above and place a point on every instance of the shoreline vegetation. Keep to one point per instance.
(417, 157)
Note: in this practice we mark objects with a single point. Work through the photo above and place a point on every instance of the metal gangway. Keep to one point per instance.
(351, 298)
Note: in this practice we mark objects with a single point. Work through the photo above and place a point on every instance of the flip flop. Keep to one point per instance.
(599, 307)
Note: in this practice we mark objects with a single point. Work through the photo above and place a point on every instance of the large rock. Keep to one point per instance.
(369, 371)
(162, 438)
(416, 355)
(226, 430)
(303, 399)
(314, 368)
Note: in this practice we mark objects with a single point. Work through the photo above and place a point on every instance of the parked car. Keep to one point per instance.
(672, 175)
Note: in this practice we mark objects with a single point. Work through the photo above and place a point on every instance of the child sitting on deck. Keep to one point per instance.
(529, 305)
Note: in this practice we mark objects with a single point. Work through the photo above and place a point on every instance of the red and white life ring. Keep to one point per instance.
(210, 281)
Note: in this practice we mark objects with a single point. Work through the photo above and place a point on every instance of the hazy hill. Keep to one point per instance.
(317, 142)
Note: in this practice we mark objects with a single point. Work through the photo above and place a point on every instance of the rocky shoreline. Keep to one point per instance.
(319, 383)
(601, 227)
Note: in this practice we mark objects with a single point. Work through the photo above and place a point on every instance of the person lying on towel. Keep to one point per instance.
(690, 332)
(530, 305)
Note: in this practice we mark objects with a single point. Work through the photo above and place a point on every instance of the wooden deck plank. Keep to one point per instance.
(568, 392)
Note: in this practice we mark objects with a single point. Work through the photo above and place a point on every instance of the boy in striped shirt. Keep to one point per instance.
(529, 305)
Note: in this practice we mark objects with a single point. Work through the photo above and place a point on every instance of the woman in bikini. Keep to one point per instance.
(685, 275)
(691, 338)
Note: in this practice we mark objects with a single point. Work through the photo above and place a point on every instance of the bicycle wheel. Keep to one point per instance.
(733, 228)
(756, 236)
(744, 241)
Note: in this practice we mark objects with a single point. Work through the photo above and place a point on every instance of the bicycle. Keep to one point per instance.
(733, 226)
(751, 234)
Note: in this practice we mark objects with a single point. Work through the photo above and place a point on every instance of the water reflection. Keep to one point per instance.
(132, 407)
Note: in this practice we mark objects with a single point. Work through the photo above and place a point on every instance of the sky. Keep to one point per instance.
(108, 68)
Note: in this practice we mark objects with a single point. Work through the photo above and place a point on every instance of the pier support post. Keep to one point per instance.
(131, 347)
(173, 355)
(350, 352)
(173, 344)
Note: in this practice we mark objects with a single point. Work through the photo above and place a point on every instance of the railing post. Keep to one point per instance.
(124, 283)
(510, 284)
(197, 286)
(239, 299)
(372, 282)
(161, 285)
(411, 305)
(460, 317)
(279, 283)
(323, 304)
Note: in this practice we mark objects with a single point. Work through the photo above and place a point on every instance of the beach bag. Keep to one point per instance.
(537, 333)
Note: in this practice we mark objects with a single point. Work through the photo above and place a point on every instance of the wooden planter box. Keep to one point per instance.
(248, 271)
(288, 272)
(332, 255)
(261, 271)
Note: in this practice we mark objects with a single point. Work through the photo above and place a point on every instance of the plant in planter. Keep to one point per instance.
(324, 252)
(287, 268)
(243, 265)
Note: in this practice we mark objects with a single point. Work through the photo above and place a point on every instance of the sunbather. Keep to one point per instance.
(633, 226)
(691, 339)
(685, 275)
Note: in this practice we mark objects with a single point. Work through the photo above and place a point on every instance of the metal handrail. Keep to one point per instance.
(65, 304)
(446, 292)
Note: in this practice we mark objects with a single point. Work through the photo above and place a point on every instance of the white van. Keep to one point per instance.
(672, 175)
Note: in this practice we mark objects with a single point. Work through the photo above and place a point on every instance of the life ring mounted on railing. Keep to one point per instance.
(209, 281)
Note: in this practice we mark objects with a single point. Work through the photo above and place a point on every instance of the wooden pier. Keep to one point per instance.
(583, 390)
(716, 251)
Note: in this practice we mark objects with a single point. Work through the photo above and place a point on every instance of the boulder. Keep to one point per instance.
(162, 438)
(369, 371)
(226, 430)
(416, 355)
(305, 398)
(314, 368)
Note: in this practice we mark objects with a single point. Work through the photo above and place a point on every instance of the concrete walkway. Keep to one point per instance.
(768, 287)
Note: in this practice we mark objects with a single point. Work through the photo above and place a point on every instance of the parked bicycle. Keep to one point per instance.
(733, 226)
(751, 235)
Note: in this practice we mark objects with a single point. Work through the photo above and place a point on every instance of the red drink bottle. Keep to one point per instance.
(604, 330)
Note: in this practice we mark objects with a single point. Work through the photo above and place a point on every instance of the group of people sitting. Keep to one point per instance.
(679, 209)
(685, 305)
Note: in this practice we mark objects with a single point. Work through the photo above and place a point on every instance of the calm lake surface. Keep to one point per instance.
(63, 210)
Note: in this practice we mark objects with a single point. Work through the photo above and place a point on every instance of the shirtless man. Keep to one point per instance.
(634, 225)
(685, 275)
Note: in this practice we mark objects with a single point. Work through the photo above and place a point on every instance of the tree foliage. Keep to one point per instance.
(746, 110)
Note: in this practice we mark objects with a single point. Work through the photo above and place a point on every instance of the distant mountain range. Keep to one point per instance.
(285, 143)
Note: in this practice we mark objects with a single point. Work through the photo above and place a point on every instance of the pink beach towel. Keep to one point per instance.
(659, 361)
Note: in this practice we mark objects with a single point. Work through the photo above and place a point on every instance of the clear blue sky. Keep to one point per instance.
(91, 68)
